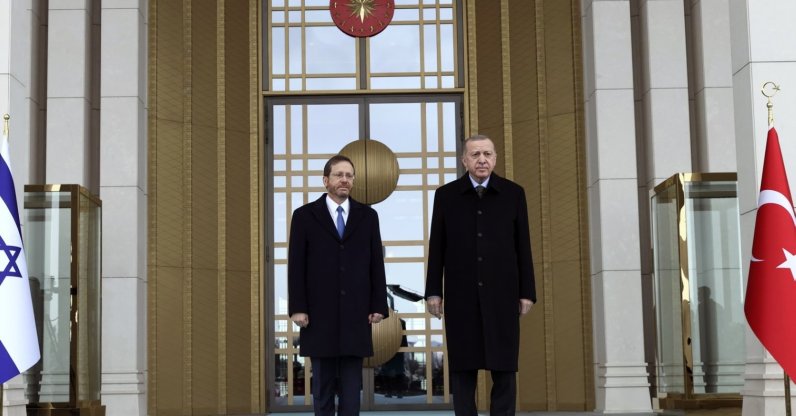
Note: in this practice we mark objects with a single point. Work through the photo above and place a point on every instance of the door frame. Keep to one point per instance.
(363, 100)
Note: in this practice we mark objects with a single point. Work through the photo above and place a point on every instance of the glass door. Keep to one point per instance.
(424, 132)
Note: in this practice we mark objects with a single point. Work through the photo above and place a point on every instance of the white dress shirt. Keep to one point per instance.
(475, 183)
(332, 206)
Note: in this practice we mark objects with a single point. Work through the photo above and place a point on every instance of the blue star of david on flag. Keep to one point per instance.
(8, 260)
(19, 342)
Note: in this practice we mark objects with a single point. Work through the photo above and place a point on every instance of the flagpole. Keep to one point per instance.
(787, 395)
(770, 106)
(6, 117)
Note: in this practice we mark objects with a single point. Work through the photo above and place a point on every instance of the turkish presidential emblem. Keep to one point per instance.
(362, 18)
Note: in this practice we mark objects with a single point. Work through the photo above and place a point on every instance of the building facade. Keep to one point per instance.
(200, 125)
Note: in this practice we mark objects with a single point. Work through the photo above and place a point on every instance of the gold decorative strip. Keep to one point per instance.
(471, 72)
(457, 70)
(392, 74)
(547, 272)
(221, 180)
(152, 229)
(325, 24)
(255, 155)
(452, 91)
(505, 41)
(303, 26)
(422, 34)
(583, 212)
(187, 272)
(423, 166)
(482, 397)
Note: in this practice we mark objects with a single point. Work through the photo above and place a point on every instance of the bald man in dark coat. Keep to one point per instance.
(336, 287)
(479, 267)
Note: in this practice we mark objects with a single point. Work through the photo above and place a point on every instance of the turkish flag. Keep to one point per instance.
(770, 304)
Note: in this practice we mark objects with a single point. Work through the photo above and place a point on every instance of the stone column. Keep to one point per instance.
(67, 158)
(663, 118)
(712, 86)
(620, 371)
(717, 346)
(763, 49)
(123, 178)
(664, 90)
(68, 92)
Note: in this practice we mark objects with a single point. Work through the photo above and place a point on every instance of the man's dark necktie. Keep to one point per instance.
(340, 222)
(480, 189)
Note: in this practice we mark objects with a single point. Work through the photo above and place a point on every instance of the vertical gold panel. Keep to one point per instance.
(151, 215)
(205, 341)
(559, 47)
(545, 274)
(471, 70)
(490, 80)
(583, 211)
(204, 346)
(221, 213)
(187, 204)
(204, 209)
(488, 58)
(569, 214)
(166, 201)
(168, 355)
(239, 226)
(531, 107)
(255, 212)
(566, 271)
(505, 55)
(570, 377)
(533, 373)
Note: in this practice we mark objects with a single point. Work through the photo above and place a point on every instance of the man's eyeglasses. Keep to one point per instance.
(341, 175)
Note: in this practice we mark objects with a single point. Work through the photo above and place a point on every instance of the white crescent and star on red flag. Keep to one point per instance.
(777, 199)
(771, 287)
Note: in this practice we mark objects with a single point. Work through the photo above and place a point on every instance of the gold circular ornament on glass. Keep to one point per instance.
(386, 336)
(376, 170)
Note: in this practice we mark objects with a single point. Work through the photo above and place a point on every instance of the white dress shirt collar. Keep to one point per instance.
(475, 183)
(332, 206)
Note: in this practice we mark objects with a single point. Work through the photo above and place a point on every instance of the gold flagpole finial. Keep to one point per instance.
(6, 117)
(769, 90)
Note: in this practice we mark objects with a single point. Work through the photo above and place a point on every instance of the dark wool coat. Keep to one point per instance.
(482, 247)
(336, 282)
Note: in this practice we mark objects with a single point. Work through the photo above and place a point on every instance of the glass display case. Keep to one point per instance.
(698, 291)
(62, 232)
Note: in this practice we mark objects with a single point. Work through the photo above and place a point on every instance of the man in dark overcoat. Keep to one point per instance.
(479, 267)
(336, 287)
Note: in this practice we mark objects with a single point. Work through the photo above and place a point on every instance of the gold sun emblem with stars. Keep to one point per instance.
(361, 8)
(361, 18)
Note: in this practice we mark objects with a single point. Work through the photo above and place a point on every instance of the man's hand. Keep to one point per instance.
(434, 305)
(375, 318)
(301, 319)
(525, 306)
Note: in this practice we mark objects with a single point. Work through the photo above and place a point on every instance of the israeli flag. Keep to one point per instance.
(19, 343)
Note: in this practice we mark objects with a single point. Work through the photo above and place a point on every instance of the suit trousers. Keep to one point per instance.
(502, 399)
(336, 375)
